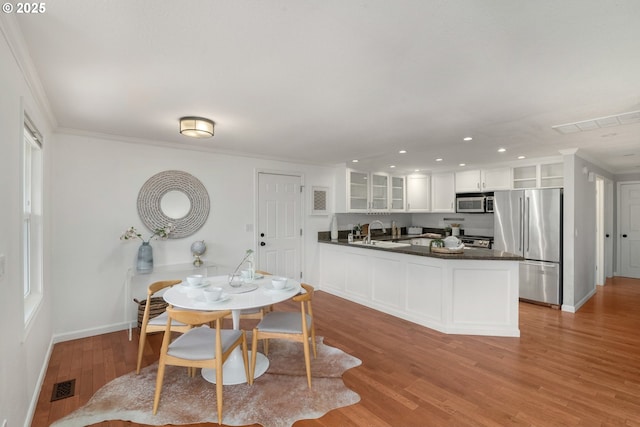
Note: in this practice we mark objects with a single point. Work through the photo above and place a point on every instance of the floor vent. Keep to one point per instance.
(63, 390)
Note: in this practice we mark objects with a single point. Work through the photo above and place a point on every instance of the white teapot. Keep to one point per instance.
(452, 242)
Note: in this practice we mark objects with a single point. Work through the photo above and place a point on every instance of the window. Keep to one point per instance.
(32, 241)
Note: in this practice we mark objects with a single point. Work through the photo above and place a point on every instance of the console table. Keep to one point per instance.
(136, 284)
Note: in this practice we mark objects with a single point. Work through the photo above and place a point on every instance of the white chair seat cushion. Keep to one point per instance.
(161, 320)
(200, 343)
(283, 322)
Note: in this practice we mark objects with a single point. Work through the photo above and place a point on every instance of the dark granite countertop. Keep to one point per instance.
(468, 254)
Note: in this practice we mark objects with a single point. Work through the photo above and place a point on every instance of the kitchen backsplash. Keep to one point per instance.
(471, 224)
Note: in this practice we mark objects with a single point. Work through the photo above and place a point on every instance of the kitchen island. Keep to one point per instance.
(474, 292)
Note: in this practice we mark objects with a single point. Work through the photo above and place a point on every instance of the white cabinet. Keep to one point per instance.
(379, 192)
(525, 177)
(544, 175)
(443, 192)
(418, 193)
(552, 175)
(398, 192)
(468, 181)
(370, 192)
(495, 179)
(480, 180)
(357, 191)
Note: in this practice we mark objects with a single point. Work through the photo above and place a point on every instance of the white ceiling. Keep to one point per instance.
(328, 81)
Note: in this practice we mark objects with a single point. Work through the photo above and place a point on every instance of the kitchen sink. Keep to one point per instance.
(382, 244)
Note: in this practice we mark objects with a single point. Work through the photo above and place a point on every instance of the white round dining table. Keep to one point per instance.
(253, 294)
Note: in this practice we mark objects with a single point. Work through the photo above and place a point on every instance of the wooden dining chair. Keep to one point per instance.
(200, 347)
(158, 323)
(293, 326)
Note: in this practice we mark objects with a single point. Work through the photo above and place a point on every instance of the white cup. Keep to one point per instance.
(195, 279)
(279, 282)
(212, 293)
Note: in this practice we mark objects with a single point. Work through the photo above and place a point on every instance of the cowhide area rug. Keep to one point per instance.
(278, 398)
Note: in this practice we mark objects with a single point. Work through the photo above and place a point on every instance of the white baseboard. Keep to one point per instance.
(83, 333)
(34, 399)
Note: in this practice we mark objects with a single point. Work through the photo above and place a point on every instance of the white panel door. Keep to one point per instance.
(279, 224)
(629, 236)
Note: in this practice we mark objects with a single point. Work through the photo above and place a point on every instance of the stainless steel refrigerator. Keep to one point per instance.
(529, 223)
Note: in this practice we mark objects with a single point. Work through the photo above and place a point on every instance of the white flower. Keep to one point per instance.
(162, 233)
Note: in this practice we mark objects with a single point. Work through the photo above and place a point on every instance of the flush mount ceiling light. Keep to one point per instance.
(196, 127)
(600, 122)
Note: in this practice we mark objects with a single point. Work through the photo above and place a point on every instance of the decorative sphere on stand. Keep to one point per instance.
(198, 248)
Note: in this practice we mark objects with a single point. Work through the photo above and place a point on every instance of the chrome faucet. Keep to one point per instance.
(367, 240)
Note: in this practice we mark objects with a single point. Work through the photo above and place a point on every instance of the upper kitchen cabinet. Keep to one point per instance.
(418, 193)
(398, 191)
(358, 191)
(379, 191)
(544, 175)
(481, 180)
(443, 192)
(552, 175)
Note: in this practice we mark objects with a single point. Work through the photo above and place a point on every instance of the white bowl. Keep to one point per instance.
(279, 282)
(195, 280)
(212, 293)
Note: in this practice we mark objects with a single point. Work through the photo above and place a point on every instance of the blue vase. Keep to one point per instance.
(145, 258)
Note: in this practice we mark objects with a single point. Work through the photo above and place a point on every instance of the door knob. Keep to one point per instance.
(606, 235)
(624, 235)
(261, 234)
(262, 243)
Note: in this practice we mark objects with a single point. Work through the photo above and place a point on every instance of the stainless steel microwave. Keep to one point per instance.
(474, 203)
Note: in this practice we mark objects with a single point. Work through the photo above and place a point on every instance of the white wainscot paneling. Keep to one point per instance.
(387, 282)
(476, 297)
(357, 281)
(486, 300)
(334, 272)
(424, 292)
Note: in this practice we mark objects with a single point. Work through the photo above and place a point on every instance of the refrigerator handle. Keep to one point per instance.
(527, 229)
(520, 227)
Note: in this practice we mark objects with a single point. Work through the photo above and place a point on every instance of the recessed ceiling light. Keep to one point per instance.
(417, 170)
(392, 166)
(354, 161)
(462, 164)
(501, 150)
(439, 159)
(521, 157)
(468, 138)
(402, 151)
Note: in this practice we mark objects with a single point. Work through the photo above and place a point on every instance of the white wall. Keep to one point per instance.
(579, 233)
(95, 189)
(23, 350)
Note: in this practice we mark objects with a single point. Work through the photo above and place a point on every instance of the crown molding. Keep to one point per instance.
(183, 146)
(12, 34)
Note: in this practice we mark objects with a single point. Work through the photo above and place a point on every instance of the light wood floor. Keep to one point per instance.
(566, 369)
